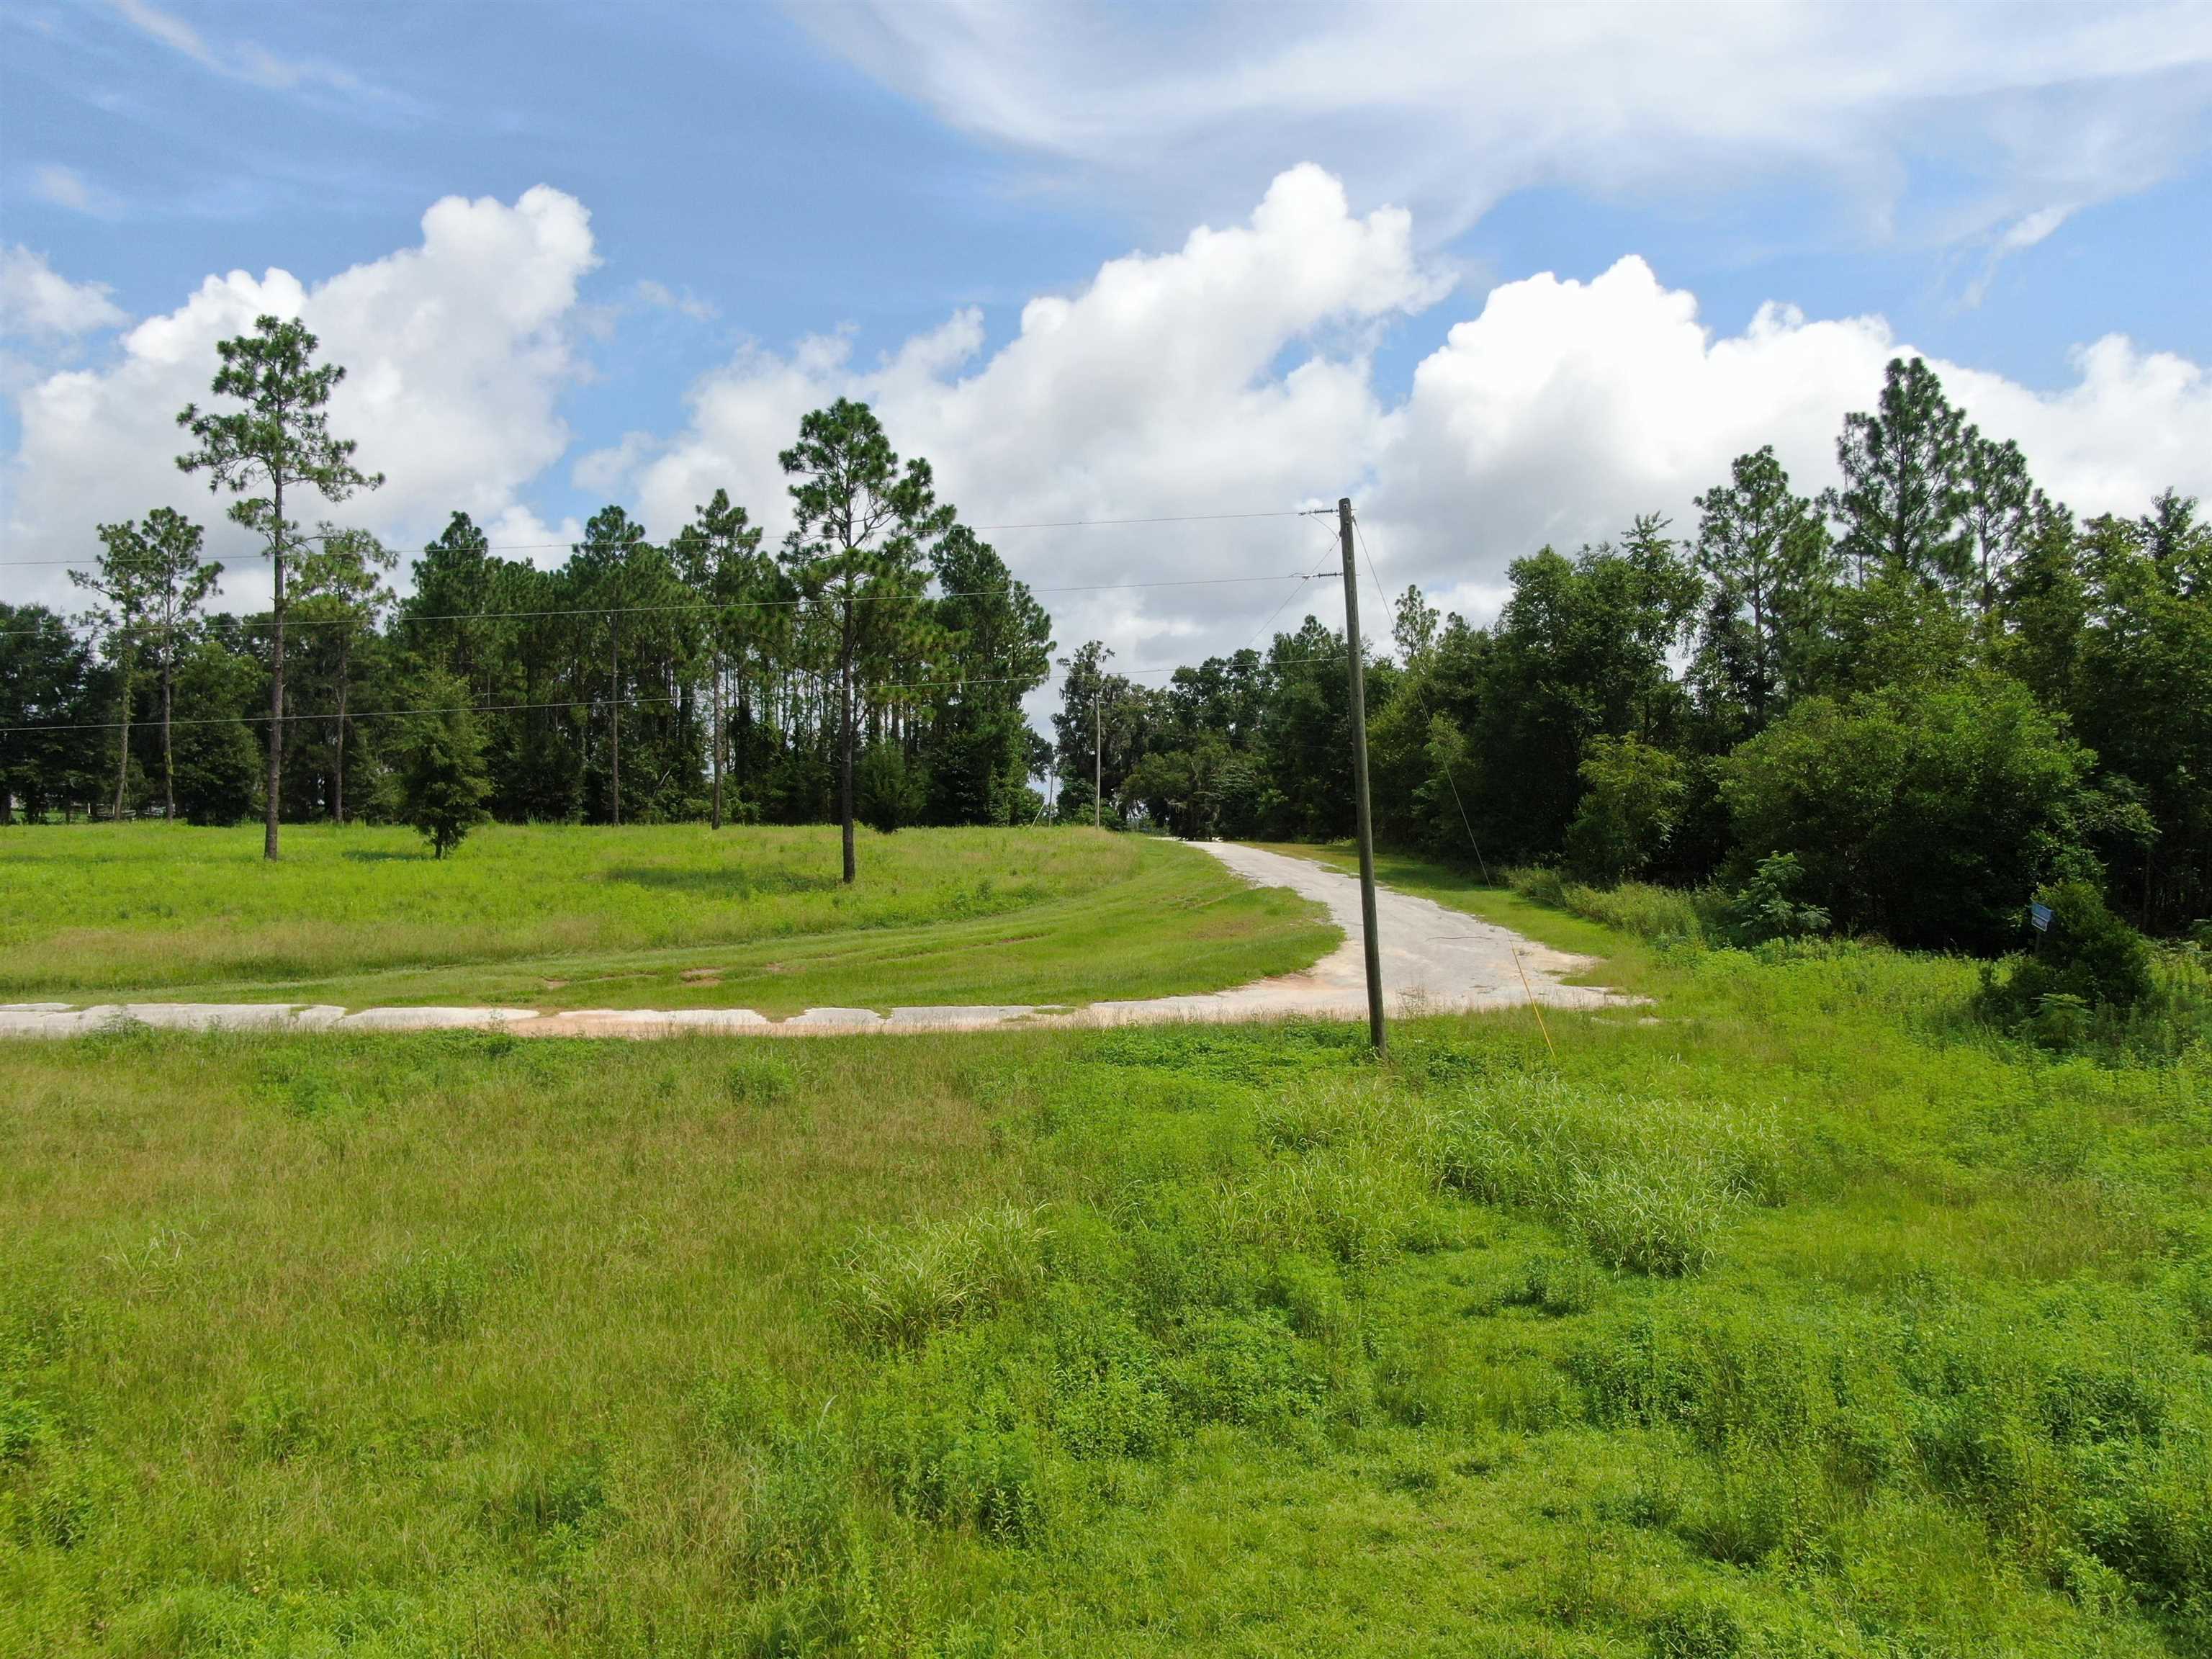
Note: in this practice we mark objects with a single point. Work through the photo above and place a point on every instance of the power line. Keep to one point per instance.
(1302, 577)
(1179, 518)
(291, 718)
(584, 542)
(1317, 572)
(1421, 686)
(402, 616)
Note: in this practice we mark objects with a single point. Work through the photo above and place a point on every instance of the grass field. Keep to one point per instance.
(1806, 1321)
(675, 917)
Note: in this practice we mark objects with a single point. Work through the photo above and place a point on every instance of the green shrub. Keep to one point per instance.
(1766, 908)
(1647, 1186)
(889, 792)
(1109, 1393)
(1556, 1284)
(443, 782)
(1662, 1222)
(797, 1506)
(1698, 1627)
(1660, 914)
(1922, 814)
(2089, 960)
(1244, 1369)
(943, 1435)
(2061, 1423)
(22, 1426)
(1633, 796)
(564, 1497)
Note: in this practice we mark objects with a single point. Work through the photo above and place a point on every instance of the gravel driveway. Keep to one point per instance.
(1434, 961)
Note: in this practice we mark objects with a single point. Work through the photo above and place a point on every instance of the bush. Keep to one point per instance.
(1764, 910)
(1633, 796)
(2089, 960)
(888, 793)
(1647, 1187)
(219, 761)
(762, 1080)
(1556, 1284)
(1923, 815)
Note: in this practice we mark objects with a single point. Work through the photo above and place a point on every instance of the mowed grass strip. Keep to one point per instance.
(1808, 1321)
(677, 917)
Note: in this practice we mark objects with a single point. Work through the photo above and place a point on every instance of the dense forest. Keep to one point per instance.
(1931, 690)
(1906, 704)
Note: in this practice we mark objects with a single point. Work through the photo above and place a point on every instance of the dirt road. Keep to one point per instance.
(1434, 961)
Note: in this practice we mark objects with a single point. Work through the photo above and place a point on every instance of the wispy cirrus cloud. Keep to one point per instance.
(1952, 124)
(66, 187)
(243, 60)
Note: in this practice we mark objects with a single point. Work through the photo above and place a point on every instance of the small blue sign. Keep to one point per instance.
(2040, 916)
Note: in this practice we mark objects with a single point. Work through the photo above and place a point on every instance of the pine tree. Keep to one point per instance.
(2000, 505)
(1765, 558)
(280, 440)
(124, 577)
(1904, 500)
(718, 555)
(342, 586)
(862, 519)
(442, 779)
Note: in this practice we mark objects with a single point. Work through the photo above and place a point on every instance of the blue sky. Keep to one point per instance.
(1999, 185)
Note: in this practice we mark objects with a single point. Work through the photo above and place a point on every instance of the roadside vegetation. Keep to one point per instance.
(667, 916)
(1837, 1299)
(1799, 1312)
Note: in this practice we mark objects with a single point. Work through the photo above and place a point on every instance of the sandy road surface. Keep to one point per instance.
(1434, 961)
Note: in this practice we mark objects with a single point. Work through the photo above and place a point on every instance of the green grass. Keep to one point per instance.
(1805, 1321)
(649, 917)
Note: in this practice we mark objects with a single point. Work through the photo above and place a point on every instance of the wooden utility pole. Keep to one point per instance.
(1098, 766)
(1376, 1032)
(715, 747)
(614, 692)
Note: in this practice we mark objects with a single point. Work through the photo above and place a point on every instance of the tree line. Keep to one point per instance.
(870, 668)
(1906, 702)
(1910, 701)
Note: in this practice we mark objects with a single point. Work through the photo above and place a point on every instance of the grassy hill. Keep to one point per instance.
(1791, 1315)
(672, 917)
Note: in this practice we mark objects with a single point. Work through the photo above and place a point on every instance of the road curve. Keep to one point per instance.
(1434, 961)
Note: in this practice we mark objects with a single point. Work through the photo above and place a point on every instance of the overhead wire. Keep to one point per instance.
(576, 541)
(1450, 782)
(1299, 576)
(585, 703)
(400, 617)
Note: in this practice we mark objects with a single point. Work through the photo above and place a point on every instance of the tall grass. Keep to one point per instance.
(671, 916)
(1635, 908)
(1802, 1321)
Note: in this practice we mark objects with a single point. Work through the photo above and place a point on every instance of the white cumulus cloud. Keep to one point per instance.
(1233, 373)
(1155, 389)
(457, 351)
